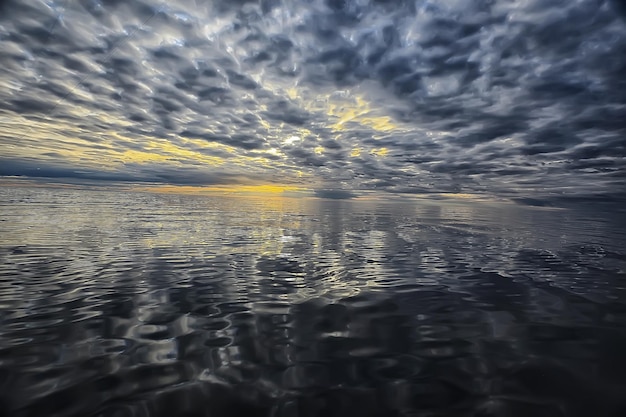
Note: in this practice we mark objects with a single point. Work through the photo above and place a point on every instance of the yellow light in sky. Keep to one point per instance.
(223, 189)
(139, 156)
(164, 151)
(292, 92)
(463, 196)
(359, 111)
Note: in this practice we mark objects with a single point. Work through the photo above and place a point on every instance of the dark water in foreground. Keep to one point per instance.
(130, 304)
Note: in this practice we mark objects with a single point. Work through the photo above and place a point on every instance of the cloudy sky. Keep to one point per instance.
(516, 99)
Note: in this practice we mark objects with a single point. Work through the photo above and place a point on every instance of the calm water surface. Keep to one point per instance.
(140, 304)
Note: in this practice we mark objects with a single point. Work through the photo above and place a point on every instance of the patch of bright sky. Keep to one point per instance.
(344, 110)
(223, 189)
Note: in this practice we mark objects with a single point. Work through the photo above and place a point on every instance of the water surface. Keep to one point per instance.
(140, 304)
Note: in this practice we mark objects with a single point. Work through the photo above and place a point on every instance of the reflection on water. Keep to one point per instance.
(122, 304)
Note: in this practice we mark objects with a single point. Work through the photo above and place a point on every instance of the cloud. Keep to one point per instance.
(133, 173)
(334, 194)
(524, 100)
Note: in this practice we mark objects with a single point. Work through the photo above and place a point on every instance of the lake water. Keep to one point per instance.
(143, 304)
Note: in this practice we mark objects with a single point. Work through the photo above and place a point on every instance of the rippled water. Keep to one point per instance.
(138, 304)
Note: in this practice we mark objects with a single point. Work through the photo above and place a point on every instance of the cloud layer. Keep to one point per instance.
(517, 99)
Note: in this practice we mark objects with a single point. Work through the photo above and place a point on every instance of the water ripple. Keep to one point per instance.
(405, 313)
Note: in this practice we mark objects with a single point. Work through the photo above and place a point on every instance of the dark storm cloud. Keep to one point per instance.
(507, 97)
(307, 158)
(283, 111)
(30, 105)
(37, 169)
(143, 173)
(236, 140)
(334, 194)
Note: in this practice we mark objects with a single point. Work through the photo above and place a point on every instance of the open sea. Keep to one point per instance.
(138, 304)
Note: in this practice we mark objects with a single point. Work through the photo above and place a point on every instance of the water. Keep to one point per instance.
(141, 304)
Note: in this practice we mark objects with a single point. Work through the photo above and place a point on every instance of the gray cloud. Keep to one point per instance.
(144, 173)
(525, 100)
(334, 194)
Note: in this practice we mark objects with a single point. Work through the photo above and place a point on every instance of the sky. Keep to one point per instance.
(523, 100)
